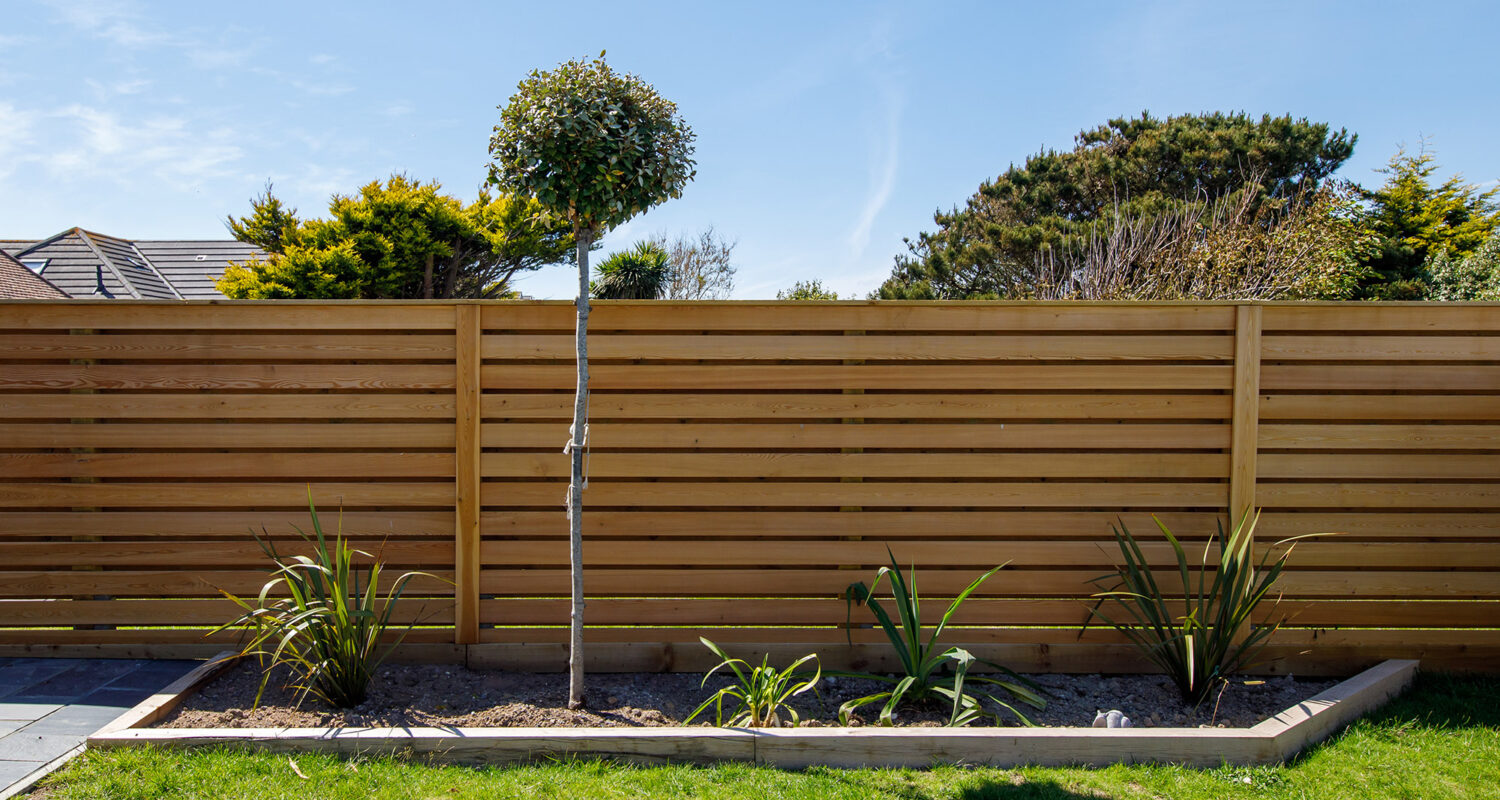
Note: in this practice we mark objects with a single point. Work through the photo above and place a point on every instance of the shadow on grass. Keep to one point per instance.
(1436, 701)
(987, 785)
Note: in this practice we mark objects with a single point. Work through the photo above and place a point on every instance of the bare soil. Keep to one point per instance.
(441, 696)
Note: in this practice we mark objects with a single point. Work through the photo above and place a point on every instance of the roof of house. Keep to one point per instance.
(192, 267)
(18, 282)
(87, 264)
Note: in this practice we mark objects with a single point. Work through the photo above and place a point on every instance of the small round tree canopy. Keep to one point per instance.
(591, 145)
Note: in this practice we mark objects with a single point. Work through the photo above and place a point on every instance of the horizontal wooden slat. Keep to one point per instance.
(870, 435)
(227, 406)
(283, 377)
(996, 525)
(1346, 317)
(976, 611)
(235, 554)
(1014, 377)
(1383, 465)
(947, 493)
(221, 315)
(1425, 525)
(208, 495)
(1379, 377)
(659, 315)
(605, 406)
(1045, 583)
(1379, 437)
(868, 465)
(1393, 407)
(229, 435)
(182, 346)
(226, 465)
(1378, 495)
(205, 611)
(1117, 346)
(216, 524)
(1344, 347)
(1332, 552)
(175, 583)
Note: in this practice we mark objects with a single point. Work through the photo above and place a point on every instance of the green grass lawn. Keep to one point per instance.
(1441, 740)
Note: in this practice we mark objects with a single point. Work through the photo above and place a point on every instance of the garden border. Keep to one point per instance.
(1270, 742)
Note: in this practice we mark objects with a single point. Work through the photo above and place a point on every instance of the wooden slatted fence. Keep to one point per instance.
(747, 462)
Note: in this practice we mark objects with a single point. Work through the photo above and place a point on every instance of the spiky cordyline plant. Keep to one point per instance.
(328, 626)
(762, 692)
(926, 667)
(1213, 637)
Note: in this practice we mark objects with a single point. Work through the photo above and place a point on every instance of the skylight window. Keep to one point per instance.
(36, 264)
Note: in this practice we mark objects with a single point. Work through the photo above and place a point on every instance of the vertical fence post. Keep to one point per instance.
(466, 474)
(1246, 419)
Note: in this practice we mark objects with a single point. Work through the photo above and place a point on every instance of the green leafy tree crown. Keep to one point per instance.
(1418, 222)
(591, 145)
(1138, 168)
(396, 239)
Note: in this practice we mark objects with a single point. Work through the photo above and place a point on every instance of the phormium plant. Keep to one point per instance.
(321, 616)
(1200, 632)
(761, 692)
(928, 670)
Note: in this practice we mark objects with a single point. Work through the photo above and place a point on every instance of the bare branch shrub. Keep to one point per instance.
(1305, 246)
(701, 267)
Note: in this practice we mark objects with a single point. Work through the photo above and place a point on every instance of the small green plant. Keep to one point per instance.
(762, 692)
(1213, 637)
(929, 670)
(321, 616)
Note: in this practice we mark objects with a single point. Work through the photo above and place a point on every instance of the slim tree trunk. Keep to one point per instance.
(427, 279)
(575, 484)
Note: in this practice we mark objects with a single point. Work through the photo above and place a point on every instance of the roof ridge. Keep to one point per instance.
(152, 266)
(105, 260)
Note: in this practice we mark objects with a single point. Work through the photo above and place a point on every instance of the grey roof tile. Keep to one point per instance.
(87, 264)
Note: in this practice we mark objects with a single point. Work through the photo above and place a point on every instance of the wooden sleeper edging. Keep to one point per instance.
(1269, 742)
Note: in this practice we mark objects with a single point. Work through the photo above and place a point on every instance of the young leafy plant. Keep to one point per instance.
(320, 616)
(929, 670)
(761, 692)
(1213, 637)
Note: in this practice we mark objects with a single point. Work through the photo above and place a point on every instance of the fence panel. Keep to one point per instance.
(747, 462)
(141, 443)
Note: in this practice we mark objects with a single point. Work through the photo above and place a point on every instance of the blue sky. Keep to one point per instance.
(826, 131)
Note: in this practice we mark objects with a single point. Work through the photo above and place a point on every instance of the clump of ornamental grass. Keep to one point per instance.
(929, 670)
(1199, 631)
(320, 616)
(760, 693)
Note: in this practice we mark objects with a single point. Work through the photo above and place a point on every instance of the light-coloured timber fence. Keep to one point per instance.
(747, 462)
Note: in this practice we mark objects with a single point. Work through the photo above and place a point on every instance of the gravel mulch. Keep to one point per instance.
(439, 695)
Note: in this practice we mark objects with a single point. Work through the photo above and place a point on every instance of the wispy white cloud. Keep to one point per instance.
(318, 89)
(89, 143)
(120, 87)
(876, 55)
(15, 137)
(115, 21)
(323, 58)
(885, 161)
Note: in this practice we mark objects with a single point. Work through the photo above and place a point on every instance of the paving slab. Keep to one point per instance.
(48, 707)
(26, 712)
(13, 771)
